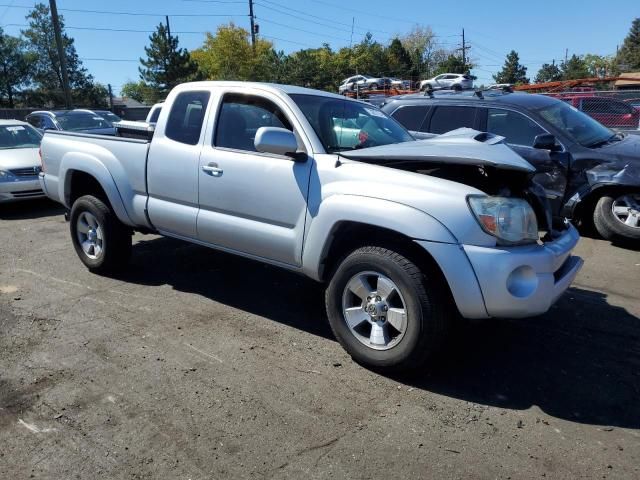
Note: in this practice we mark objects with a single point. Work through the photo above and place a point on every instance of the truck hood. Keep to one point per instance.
(11, 158)
(463, 146)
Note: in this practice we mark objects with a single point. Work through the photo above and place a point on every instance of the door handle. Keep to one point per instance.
(212, 169)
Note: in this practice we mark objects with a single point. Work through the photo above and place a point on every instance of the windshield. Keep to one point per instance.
(578, 126)
(111, 118)
(82, 121)
(19, 136)
(349, 125)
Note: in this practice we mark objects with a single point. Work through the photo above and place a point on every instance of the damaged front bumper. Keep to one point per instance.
(525, 281)
(508, 282)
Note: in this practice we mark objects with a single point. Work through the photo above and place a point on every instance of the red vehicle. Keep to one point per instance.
(608, 111)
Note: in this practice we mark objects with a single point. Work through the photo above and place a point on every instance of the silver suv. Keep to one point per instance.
(448, 80)
(361, 82)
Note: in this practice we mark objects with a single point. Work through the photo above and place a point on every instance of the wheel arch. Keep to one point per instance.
(583, 209)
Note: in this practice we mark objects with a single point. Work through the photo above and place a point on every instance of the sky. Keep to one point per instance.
(540, 31)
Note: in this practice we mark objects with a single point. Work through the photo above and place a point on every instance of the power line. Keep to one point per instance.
(324, 35)
(134, 14)
(100, 29)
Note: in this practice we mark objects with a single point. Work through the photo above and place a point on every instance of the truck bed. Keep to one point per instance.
(124, 160)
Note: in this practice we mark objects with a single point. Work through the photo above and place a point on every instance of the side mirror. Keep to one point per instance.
(278, 141)
(545, 141)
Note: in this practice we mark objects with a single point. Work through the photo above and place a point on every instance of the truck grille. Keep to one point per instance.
(26, 172)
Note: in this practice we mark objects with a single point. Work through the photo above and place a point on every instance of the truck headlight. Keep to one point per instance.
(511, 220)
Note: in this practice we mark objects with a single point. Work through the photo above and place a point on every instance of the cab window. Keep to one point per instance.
(186, 117)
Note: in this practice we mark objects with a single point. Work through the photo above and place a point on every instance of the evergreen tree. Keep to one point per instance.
(166, 65)
(47, 74)
(549, 72)
(574, 68)
(453, 64)
(629, 54)
(15, 67)
(512, 71)
(398, 59)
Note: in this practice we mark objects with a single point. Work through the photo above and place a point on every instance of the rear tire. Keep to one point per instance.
(416, 311)
(101, 241)
(611, 226)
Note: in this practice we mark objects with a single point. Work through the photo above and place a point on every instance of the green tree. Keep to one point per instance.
(549, 72)
(398, 59)
(453, 64)
(140, 91)
(512, 71)
(600, 66)
(574, 68)
(228, 55)
(166, 64)
(629, 54)
(424, 52)
(47, 73)
(15, 66)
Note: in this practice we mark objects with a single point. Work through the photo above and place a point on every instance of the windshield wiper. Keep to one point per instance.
(600, 143)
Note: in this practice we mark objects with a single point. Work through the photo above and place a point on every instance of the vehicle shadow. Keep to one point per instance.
(30, 209)
(579, 362)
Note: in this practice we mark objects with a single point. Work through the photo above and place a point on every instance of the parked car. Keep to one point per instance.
(448, 80)
(400, 84)
(610, 112)
(19, 161)
(402, 232)
(361, 82)
(109, 116)
(81, 121)
(634, 102)
(590, 173)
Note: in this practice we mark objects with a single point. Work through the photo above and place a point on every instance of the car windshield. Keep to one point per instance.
(111, 118)
(19, 136)
(578, 126)
(348, 124)
(82, 121)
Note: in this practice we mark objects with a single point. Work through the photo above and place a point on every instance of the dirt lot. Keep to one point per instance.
(198, 365)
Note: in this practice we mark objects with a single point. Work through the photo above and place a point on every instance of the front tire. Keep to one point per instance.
(100, 240)
(384, 311)
(617, 217)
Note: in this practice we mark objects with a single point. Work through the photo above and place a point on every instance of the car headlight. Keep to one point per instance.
(511, 220)
(5, 176)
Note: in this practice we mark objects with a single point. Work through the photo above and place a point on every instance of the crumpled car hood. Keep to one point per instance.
(463, 146)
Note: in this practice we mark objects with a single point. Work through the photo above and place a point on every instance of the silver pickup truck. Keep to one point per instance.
(406, 233)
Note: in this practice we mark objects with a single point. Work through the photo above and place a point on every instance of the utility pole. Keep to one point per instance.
(110, 98)
(168, 27)
(464, 50)
(566, 55)
(61, 53)
(253, 26)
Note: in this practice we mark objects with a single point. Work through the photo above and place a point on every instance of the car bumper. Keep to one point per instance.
(508, 282)
(20, 190)
(525, 281)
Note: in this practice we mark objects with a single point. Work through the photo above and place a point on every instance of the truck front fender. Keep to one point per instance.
(81, 162)
(338, 209)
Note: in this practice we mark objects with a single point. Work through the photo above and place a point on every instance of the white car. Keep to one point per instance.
(19, 161)
(447, 80)
(361, 82)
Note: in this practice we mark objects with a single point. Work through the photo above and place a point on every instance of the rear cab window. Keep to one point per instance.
(186, 117)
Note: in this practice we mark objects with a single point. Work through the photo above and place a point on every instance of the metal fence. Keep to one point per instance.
(616, 109)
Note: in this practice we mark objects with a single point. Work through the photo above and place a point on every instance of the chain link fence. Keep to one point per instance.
(616, 109)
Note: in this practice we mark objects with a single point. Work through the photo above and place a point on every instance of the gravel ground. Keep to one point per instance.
(196, 364)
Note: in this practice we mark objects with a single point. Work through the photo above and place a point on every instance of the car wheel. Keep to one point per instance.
(100, 240)
(384, 311)
(617, 217)
(373, 86)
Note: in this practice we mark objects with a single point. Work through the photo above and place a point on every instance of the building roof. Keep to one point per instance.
(633, 80)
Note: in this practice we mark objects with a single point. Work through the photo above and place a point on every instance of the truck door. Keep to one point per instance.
(251, 202)
(172, 168)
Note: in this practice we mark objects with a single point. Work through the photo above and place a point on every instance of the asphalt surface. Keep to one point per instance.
(196, 365)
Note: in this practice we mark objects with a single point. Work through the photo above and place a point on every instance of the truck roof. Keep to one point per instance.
(273, 87)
